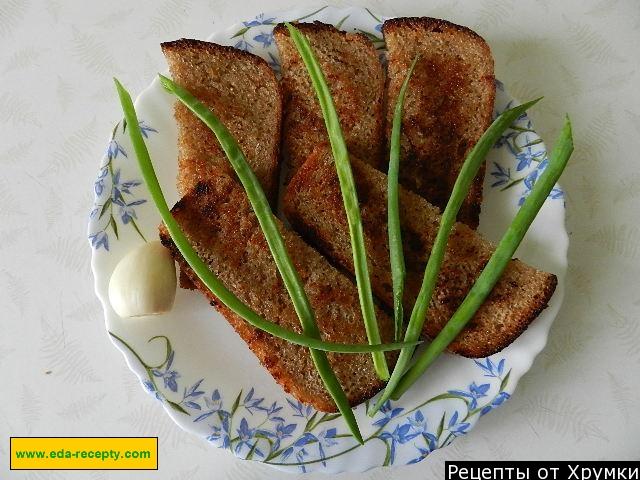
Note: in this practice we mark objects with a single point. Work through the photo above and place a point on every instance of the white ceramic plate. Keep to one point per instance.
(211, 384)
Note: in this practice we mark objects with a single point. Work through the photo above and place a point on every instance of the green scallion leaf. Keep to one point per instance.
(203, 271)
(396, 255)
(498, 261)
(349, 194)
(469, 169)
(276, 244)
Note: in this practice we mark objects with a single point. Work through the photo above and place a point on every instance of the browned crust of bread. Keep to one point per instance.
(446, 111)
(313, 205)
(431, 24)
(185, 282)
(219, 222)
(356, 80)
(244, 93)
(212, 48)
(315, 27)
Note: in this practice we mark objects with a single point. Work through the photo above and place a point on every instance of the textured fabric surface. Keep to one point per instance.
(61, 375)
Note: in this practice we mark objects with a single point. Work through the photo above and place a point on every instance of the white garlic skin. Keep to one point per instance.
(144, 282)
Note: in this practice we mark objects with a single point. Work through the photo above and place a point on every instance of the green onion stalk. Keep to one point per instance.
(498, 261)
(469, 170)
(396, 254)
(274, 239)
(349, 194)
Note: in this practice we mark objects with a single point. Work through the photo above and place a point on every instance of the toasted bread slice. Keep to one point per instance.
(218, 220)
(244, 93)
(313, 205)
(356, 80)
(448, 105)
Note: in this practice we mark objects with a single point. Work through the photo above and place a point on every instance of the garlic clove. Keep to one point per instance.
(144, 282)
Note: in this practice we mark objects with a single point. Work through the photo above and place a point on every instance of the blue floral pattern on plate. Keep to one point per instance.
(115, 199)
(257, 421)
(256, 430)
(529, 156)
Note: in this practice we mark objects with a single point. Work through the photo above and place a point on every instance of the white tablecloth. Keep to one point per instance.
(61, 376)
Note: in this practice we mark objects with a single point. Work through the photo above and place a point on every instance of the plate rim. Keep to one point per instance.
(533, 350)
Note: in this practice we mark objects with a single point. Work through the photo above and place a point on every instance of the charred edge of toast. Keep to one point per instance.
(542, 302)
(434, 25)
(185, 281)
(250, 335)
(317, 26)
(469, 213)
(213, 48)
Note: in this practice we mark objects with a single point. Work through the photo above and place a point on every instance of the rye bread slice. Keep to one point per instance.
(244, 93)
(448, 105)
(356, 80)
(218, 220)
(313, 205)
